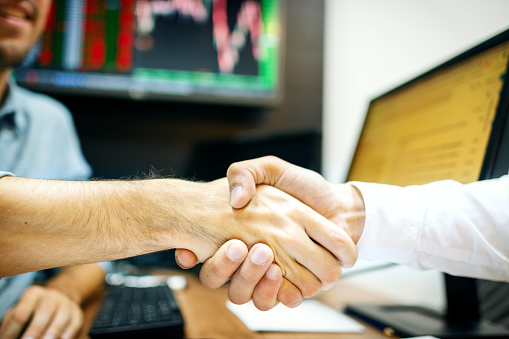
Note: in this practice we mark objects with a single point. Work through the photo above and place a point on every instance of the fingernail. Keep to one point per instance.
(235, 194)
(235, 252)
(66, 335)
(260, 256)
(179, 262)
(272, 272)
(49, 336)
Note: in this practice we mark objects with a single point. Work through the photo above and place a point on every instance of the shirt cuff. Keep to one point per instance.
(391, 229)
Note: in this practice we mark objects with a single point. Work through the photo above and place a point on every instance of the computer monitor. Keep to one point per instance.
(213, 51)
(449, 123)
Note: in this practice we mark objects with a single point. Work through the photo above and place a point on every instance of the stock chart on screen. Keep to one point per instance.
(216, 50)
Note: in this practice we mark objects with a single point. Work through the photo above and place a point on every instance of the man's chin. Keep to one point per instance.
(11, 57)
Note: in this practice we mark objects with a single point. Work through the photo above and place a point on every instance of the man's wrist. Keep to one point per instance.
(78, 283)
(200, 216)
(66, 287)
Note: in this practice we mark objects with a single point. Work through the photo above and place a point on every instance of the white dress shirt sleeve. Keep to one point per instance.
(455, 228)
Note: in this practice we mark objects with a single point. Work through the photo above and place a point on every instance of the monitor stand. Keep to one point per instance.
(461, 321)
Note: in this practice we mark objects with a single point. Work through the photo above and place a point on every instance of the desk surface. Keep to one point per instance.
(206, 316)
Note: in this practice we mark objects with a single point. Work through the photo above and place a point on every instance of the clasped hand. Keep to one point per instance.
(308, 234)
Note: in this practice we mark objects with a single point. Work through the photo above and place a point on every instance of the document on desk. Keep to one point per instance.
(310, 316)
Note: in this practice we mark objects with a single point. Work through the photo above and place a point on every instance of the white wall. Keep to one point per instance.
(370, 47)
(374, 45)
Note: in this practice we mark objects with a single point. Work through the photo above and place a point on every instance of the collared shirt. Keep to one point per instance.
(455, 228)
(37, 140)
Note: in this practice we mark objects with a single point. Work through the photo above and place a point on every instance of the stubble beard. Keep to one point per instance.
(12, 57)
(12, 53)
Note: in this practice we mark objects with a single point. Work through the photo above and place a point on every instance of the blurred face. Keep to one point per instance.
(21, 24)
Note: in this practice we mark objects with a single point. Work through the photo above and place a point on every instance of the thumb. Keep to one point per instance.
(239, 197)
(185, 258)
(243, 177)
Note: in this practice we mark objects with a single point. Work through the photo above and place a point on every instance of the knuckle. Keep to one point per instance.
(46, 308)
(67, 309)
(54, 294)
(218, 270)
(310, 289)
(264, 305)
(20, 315)
(291, 240)
(297, 212)
(332, 275)
(34, 290)
(271, 158)
(211, 275)
(247, 278)
(265, 295)
(234, 169)
(351, 259)
(238, 298)
(290, 298)
(340, 239)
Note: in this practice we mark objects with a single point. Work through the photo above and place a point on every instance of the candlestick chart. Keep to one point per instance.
(161, 46)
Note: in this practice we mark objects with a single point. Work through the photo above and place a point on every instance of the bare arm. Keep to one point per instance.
(53, 223)
(407, 223)
(341, 204)
(46, 224)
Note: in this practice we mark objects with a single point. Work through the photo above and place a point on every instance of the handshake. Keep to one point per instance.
(280, 232)
(295, 231)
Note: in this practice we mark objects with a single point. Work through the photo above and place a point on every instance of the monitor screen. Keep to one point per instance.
(436, 127)
(224, 51)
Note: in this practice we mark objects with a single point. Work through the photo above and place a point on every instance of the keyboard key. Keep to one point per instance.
(132, 311)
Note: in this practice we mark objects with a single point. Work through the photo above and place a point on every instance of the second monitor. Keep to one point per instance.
(446, 124)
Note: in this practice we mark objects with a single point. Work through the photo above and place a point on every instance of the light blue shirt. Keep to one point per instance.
(37, 140)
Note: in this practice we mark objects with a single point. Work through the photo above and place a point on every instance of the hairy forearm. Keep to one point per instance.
(47, 224)
(53, 223)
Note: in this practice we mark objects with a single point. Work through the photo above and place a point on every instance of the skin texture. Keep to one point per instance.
(341, 204)
(47, 224)
(224, 264)
(53, 309)
(82, 222)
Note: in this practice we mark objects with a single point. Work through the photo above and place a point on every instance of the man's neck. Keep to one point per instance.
(4, 77)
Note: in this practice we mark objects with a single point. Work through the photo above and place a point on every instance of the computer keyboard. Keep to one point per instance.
(131, 312)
